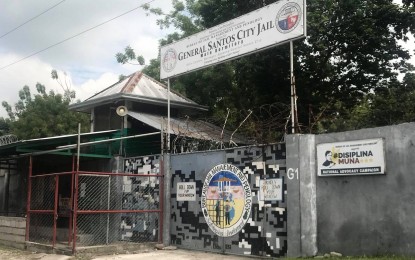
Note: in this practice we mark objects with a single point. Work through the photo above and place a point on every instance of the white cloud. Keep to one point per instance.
(88, 59)
(93, 86)
(13, 79)
(410, 46)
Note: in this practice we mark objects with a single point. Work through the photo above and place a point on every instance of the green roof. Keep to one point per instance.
(51, 144)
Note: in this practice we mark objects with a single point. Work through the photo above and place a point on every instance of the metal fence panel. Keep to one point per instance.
(117, 208)
(43, 193)
(189, 229)
(41, 228)
(261, 233)
(42, 209)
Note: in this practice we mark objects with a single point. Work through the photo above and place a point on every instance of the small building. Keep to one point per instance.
(146, 101)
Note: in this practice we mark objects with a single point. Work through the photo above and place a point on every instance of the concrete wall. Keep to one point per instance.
(12, 231)
(371, 214)
(356, 215)
(301, 202)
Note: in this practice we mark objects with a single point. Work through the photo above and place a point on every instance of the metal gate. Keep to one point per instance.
(74, 209)
(45, 210)
(207, 222)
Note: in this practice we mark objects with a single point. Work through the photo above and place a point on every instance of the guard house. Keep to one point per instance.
(106, 193)
(146, 102)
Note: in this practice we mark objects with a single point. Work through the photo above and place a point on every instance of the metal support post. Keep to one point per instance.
(55, 210)
(294, 117)
(168, 116)
(29, 197)
(76, 191)
(166, 199)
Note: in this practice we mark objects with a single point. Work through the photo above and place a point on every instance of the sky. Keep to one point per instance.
(88, 60)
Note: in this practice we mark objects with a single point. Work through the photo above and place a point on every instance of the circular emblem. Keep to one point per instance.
(226, 200)
(169, 60)
(288, 17)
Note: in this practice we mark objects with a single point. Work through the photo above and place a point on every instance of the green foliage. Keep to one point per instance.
(128, 56)
(44, 115)
(4, 126)
(65, 85)
(153, 69)
(390, 104)
(346, 69)
(9, 110)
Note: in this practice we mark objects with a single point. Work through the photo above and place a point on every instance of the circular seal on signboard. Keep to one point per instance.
(169, 60)
(288, 17)
(226, 200)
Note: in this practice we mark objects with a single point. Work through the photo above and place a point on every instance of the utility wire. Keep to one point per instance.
(76, 35)
(31, 19)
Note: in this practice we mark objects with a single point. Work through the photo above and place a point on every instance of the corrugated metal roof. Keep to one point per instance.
(196, 129)
(139, 88)
(113, 89)
(140, 84)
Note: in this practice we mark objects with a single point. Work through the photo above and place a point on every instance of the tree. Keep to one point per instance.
(389, 104)
(4, 126)
(350, 52)
(128, 56)
(65, 85)
(43, 115)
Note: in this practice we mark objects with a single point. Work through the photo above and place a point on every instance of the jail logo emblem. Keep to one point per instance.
(288, 17)
(226, 200)
(169, 60)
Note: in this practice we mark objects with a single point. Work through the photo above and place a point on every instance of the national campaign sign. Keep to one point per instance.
(362, 157)
(263, 28)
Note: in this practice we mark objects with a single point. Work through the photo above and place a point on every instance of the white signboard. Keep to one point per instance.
(186, 191)
(263, 28)
(270, 189)
(362, 157)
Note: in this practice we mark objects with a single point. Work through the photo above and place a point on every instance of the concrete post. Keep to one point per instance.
(166, 199)
(301, 196)
(117, 166)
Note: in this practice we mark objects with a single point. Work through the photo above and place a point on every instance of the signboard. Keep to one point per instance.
(263, 28)
(186, 191)
(270, 189)
(362, 157)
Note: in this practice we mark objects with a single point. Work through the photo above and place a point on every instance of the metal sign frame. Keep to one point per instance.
(261, 29)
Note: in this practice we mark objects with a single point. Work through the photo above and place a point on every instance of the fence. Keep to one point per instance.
(227, 214)
(110, 208)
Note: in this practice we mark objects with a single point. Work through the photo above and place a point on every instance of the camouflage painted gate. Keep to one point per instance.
(231, 201)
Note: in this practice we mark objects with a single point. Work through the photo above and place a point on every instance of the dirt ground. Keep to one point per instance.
(7, 253)
(172, 255)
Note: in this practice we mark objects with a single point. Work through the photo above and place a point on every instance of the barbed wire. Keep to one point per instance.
(8, 139)
(263, 125)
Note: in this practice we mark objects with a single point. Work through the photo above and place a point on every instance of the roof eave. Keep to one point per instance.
(87, 105)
